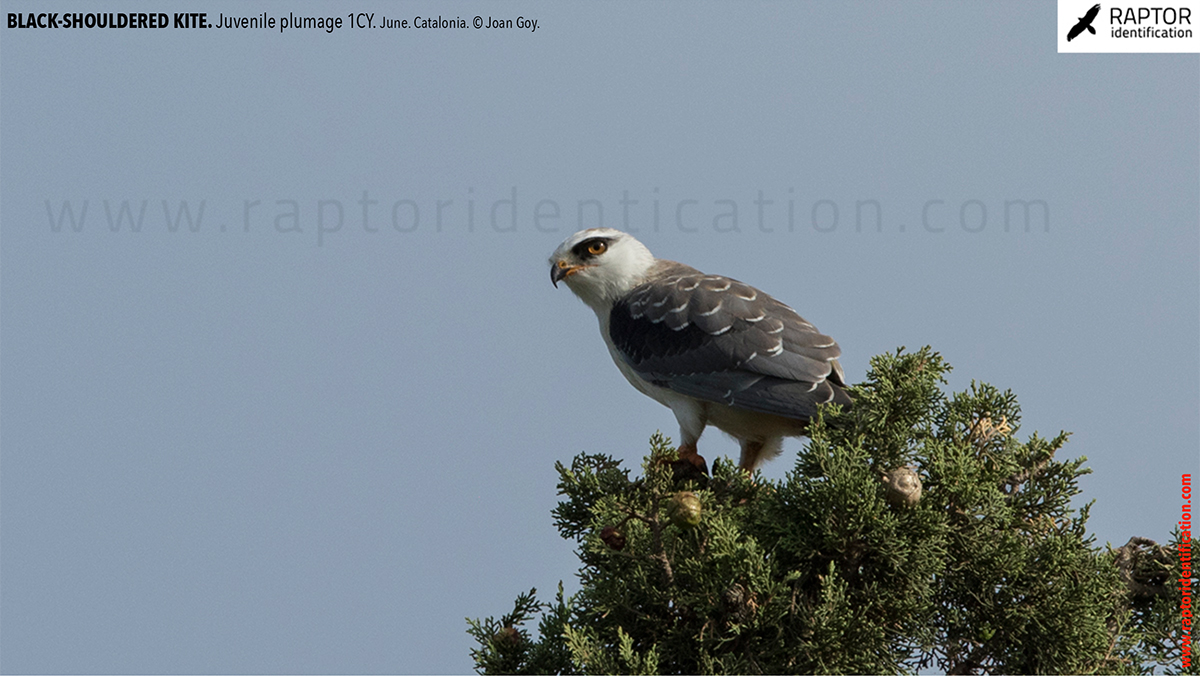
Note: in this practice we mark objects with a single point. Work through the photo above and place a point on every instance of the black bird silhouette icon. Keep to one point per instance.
(1085, 23)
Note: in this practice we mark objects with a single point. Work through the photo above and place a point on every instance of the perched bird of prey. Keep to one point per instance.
(1085, 23)
(712, 349)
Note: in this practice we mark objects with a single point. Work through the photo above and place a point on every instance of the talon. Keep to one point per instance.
(688, 453)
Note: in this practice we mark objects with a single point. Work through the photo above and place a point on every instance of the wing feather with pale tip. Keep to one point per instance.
(718, 339)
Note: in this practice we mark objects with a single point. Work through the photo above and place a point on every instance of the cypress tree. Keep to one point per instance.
(914, 533)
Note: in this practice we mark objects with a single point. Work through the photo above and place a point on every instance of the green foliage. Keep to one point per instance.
(504, 645)
(991, 570)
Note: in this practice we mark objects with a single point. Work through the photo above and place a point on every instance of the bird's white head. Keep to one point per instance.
(600, 265)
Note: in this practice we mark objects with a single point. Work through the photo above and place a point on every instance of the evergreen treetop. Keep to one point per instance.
(915, 532)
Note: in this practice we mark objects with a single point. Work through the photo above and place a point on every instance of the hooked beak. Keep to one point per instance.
(561, 270)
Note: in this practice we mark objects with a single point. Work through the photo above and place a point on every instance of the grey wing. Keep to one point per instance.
(718, 339)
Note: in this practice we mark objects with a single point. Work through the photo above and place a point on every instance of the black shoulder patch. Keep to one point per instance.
(641, 339)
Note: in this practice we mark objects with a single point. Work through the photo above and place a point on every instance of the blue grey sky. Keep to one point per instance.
(317, 431)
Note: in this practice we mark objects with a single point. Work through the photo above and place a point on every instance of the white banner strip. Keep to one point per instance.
(1089, 27)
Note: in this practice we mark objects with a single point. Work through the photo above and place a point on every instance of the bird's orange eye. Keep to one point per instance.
(596, 248)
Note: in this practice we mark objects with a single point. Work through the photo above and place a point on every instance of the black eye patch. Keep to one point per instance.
(581, 250)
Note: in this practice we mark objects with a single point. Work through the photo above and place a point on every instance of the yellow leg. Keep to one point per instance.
(750, 452)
